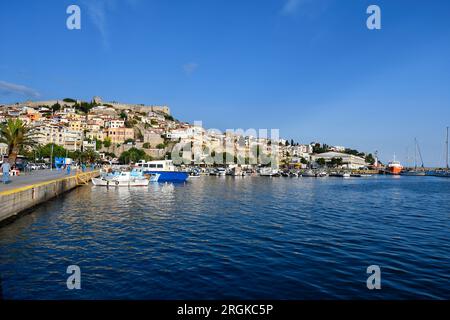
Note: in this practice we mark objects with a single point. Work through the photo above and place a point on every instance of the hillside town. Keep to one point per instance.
(116, 133)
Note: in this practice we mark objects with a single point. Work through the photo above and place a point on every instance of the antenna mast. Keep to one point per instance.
(446, 151)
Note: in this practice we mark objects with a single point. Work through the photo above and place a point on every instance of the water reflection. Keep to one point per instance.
(248, 237)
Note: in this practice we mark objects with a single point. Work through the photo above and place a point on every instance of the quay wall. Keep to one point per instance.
(15, 201)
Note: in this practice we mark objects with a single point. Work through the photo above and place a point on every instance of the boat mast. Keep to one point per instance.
(420, 154)
(415, 153)
(446, 151)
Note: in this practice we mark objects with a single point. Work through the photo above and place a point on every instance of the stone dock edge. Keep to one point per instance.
(15, 202)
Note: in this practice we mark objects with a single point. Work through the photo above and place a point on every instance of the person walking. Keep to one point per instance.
(6, 167)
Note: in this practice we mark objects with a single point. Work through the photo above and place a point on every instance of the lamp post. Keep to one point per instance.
(51, 158)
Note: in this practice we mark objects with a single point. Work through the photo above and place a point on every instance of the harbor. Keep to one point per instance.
(225, 159)
(28, 191)
(235, 238)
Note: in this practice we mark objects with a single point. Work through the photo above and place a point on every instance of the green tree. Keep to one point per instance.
(146, 145)
(123, 115)
(56, 107)
(76, 155)
(160, 146)
(98, 144)
(317, 148)
(17, 135)
(89, 156)
(321, 162)
(370, 159)
(133, 155)
(84, 107)
(336, 162)
(45, 151)
(107, 142)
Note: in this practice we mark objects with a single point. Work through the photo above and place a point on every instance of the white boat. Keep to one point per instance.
(309, 174)
(221, 172)
(346, 175)
(166, 168)
(125, 179)
(269, 172)
(322, 174)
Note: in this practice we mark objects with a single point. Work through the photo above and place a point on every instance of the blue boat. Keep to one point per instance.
(165, 169)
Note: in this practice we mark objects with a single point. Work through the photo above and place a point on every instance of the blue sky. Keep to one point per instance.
(308, 67)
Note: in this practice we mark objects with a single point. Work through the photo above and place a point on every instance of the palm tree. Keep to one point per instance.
(90, 156)
(17, 135)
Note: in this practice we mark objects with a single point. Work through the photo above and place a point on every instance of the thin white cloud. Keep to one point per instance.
(7, 88)
(98, 12)
(290, 7)
(190, 68)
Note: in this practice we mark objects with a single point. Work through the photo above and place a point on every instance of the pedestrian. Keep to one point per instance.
(83, 167)
(68, 169)
(5, 170)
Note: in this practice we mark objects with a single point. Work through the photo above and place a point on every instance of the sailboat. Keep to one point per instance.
(415, 171)
(446, 172)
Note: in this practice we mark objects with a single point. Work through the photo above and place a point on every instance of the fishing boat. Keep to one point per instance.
(394, 167)
(322, 174)
(220, 172)
(269, 172)
(125, 179)
(194, 174)
(166, 170)
(340, 174)
(285, 174)
(309, 174)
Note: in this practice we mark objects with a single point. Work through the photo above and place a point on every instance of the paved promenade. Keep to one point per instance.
(35, 177)
(29, 190)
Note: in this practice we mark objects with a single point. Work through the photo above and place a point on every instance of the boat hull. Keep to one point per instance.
(170, 176)
(116, 183)
(413, 173)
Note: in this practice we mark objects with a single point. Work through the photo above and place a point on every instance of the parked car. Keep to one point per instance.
(32, 166)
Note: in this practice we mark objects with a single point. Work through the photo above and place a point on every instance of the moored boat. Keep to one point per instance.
(322, 174)
(165, 169)
(269, 172)
(394, 167)
(413, 173)
(309, 174)
(125, 179)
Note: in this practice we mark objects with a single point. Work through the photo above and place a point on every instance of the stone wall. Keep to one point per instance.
(18, 200)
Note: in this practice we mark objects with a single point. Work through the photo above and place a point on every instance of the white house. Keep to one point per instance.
(349, 161)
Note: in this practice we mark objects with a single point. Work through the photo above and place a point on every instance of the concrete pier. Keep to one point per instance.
(16, 200)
